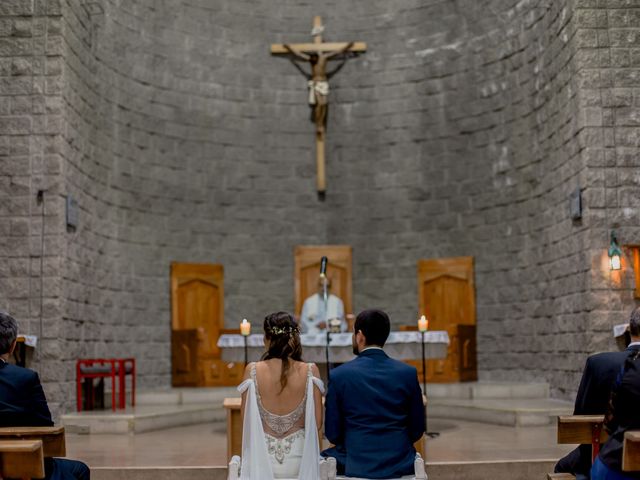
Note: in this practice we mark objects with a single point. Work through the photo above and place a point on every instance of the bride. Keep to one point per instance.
(281, 408)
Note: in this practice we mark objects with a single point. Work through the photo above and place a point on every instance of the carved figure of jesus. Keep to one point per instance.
(318, 80)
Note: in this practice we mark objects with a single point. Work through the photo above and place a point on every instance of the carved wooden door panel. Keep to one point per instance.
(446, 293)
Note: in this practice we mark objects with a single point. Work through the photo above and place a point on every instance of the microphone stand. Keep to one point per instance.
(246, 351)
(424, 389)
(325, 299)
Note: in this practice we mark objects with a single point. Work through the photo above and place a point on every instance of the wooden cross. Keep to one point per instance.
(318, 53)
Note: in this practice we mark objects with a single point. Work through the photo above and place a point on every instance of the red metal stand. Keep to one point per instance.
(90, 368)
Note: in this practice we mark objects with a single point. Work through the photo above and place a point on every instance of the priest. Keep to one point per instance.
(315, 315)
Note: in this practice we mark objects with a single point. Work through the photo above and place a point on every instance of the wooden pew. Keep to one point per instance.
(21, 459)
(580, 429)
(631, 452)
(234, 429)
(53, 442)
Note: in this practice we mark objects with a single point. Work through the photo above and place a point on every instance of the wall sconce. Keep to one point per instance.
(615, 254)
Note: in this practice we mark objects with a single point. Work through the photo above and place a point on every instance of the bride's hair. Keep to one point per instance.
(283, 335)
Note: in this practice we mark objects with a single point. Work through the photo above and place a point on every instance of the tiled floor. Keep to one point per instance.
(205, 445)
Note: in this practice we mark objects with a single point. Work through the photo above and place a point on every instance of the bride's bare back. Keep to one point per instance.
(274, 398)
(277, 400)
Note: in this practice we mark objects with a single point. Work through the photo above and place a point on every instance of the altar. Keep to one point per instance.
(399, 345)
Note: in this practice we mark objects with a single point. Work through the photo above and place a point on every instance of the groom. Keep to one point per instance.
(374, 409)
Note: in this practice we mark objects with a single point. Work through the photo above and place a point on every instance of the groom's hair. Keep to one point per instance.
(374, 325)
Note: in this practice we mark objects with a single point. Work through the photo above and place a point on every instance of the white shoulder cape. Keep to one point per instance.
(255, 459)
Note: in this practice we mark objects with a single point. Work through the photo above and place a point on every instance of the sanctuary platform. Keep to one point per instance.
(508, 404)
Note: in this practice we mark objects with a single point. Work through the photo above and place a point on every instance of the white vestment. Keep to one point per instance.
(313, 313)
(295, 455)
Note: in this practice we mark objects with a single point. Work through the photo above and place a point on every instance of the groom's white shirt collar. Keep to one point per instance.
(370, 348)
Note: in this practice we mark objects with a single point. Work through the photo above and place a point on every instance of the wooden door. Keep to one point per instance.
(197, 319)
(446, 293)
(307, 269)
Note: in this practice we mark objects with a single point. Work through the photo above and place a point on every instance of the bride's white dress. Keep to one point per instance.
(279, 446)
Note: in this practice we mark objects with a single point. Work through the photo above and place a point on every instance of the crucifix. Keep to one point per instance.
(318, 54)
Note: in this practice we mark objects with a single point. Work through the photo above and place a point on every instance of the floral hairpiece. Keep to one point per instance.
(283, 330)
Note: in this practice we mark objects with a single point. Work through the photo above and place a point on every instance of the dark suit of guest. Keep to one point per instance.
(625, 418)
(23, 404)
(599, 374)
(374, 414)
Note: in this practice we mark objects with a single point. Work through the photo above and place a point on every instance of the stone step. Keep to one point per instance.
(488, 470)
(143, 418)
(513, 412)
(473, 390)
(467, 390)
(186, 396)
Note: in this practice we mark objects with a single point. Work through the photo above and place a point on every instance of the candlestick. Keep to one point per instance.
(245, 328)
(245, 331)
(423, 324)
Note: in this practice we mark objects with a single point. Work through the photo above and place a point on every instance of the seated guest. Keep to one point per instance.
(599, 374)
(623, 415)
(374, 408)
(23, 404)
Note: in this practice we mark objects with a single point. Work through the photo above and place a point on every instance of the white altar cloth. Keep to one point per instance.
(399, 345)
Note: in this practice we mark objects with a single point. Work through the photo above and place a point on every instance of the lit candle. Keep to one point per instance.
(245, 328)
(423, 324)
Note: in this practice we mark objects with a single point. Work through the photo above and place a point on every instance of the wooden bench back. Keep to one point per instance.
(582, 429)
(631, 452)
(21, 459)
(53, 442)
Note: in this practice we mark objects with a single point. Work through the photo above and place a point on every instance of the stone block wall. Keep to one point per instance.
(472, 147)
(32, 225)
(609, 76)
(461, 131)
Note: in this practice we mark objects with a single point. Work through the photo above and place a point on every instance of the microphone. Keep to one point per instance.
(323, 266)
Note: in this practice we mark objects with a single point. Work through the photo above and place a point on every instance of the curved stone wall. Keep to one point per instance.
(461, 131)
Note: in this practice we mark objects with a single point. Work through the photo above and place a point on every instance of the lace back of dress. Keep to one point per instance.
(280, 426)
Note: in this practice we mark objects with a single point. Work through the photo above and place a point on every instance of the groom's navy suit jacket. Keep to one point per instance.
(374, 414)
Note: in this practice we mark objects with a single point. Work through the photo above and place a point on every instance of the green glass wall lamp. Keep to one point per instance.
(615, 254)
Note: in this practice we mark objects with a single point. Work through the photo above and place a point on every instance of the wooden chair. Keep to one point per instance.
(327, 469)
(52, 438)
(197, 321)
(446, 295)
(631, 452)
(580, 429)
(21, 459)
